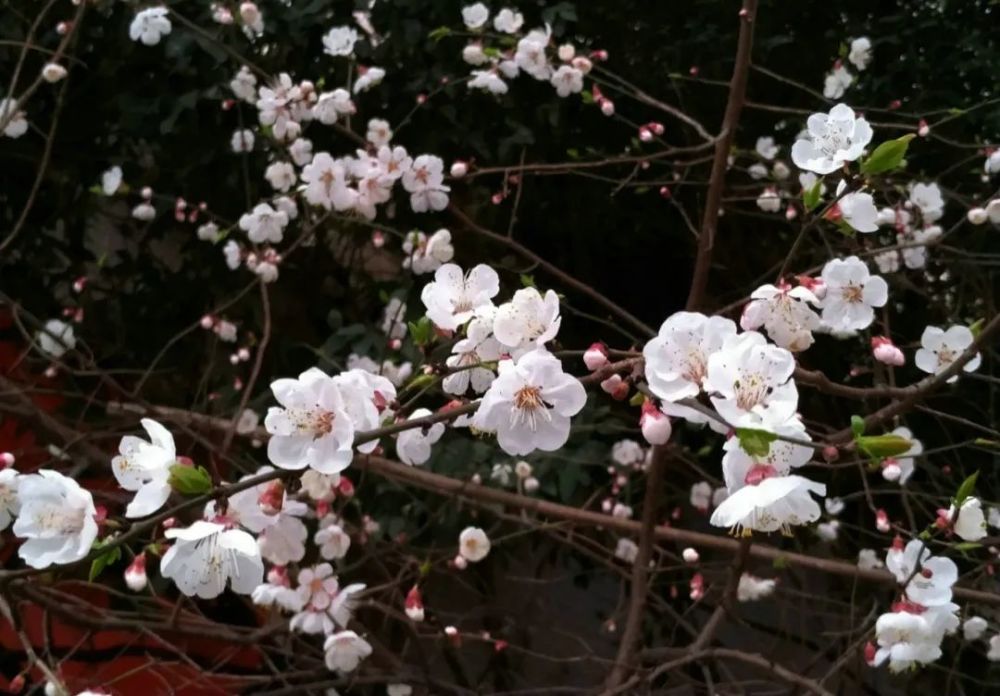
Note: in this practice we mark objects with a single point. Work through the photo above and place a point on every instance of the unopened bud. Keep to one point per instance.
(831, 453)
(690, 555)
(616, 387)
(977, 216)
(596, 356)
(459, 169)
(53, 72)
(923, 129)
(6, 460)
(135, 574)
(655, 425)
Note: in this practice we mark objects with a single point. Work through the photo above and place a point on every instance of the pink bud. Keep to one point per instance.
(453, 635)
(882, 521)
(147, 192)
(690, 555)
(870, 651)
(645, 135)
(322, 508)
(497, 198)
(459, 169)
(51, 371)
(886, 352)
(272, 499)
(891, 470)
(207, 321)
(656, 127)
(923, 129)
(6, 460)
(596, 356)
(616, 387)
(345, 487)
(243, 354)
(607, 505)
(395, 344)
(460, 562)
(169, 523)
(16, 684)
(693, 71)
(895, 104)
(831, 453)
(278, 575)
(790, 212)
(63, 28)
(655, 425)
(79, 284)
(414, 605)
(607, 107)
(599, 55)
(666, 193)
(897, 543)
(421, 98)
(135, 574)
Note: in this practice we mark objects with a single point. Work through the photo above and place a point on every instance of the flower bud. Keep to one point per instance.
(53, 72)
(459, 169)
(831, 453)
(135, 574)
(531, 484)
(655, 425)
(62, 28)
(16, 684)
(690, 555)
(923, 129)
(147, 192)
(522, 469)
(249, 13)
(655, 127)
(977, 216)
(414, 605)
(207, 321)
(886, 352)
(583, 64)
(345, 487)
(666, 193)
(645, 135)
(6, 460)
(460, 562)
(272, 499)
(891, 470)
(607, 107)
(599, 55)
(790, 212)
(616, 387)
(882, 521)
(870, 651)
(453, 635)
(566, 52)
(596, 356)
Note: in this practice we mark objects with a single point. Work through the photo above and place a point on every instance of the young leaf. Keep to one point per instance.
(439, 33)
(811, 196)
(190, 480)
(881, 446)
(965, 490)
(109, 557)
(857, 426)
(887, 156)
(421, 331)
(756, 443)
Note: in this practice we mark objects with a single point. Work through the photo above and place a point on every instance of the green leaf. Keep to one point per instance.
(881, 446)
(190, 480)
(109, 557)
(421, 331)
(968, 546)
(857, 426)
(756, 443)
(983, 442)
(527, 280)
(439, 33)
(977, 327)
(492, 52)
(637, 399)
(811, 196)
(779, 562)
(887, 156)
(965, 490)
(587, 96)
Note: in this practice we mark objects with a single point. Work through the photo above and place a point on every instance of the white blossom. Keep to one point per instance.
(414, 445)
(567, 80)
(16, 125)
(242, 141)
(264, 224)
(473, 544)
(339, 41)
(837, 81)
(784, 312)
(333, 542)
(150, 25)
(928, 200)
(508, 21)
(852, 293)
(424, 180)
(56, 519)
(752, 588)
(281, 176)
(144, 467)
(344, 651)
(475, 16)
(766, 147)
(56, 337)
(368, 78)
(861, 52)
(206, 554)
(971, 522)
(10, 481)
(454, 297)
(244, 85)
(111, 180)
(676, 360)
(529, 320)
(939, 348)
(468, 355)
(530, 403)
(832, 139)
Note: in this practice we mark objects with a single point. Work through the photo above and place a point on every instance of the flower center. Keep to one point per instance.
(750, 391)
(529, 406)
(61, 519)
(695, 368)
(851, 293)
(946, 356)
(316, 421)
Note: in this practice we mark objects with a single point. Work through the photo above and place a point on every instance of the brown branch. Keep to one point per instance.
(737, 94)
(639, 581)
